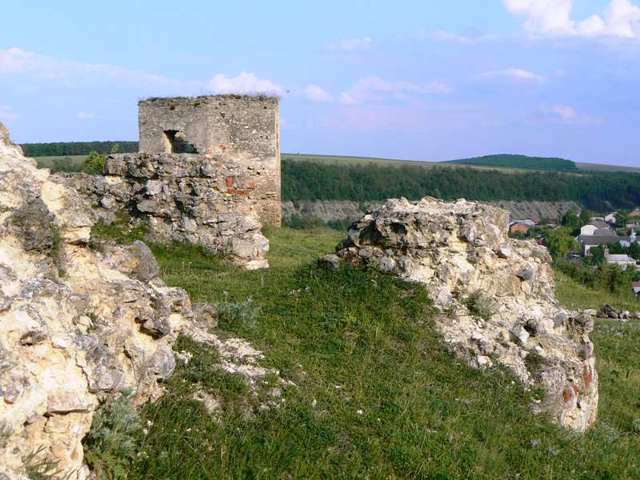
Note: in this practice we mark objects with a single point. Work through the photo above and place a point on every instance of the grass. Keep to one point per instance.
(576, 296)
(376, 394)
(72, 163)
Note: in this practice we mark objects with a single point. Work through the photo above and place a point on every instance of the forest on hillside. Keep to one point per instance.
(316, 181)
(68, 149)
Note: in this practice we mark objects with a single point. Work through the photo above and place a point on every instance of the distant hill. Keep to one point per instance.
(521, 161)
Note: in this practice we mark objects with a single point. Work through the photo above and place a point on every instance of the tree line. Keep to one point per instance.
(68, 149)
(598, 191)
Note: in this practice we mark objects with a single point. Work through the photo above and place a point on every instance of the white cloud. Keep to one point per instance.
(316, 93)
(516, 74)
(470, 38)
(7, 113)
(351, 44)
(86, 116)
(244, 83)
(566, 112)
(17, 61)
(375, 88)
(621, 18)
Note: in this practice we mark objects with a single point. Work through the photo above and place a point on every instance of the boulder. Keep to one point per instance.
(496, 296)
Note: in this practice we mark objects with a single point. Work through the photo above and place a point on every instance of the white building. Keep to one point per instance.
(623, 260)
(588, 230)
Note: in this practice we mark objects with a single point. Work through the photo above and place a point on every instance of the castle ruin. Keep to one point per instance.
(242, 130)
(207, 172)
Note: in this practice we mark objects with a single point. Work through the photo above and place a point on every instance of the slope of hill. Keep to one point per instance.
(520, 161)
(375, 394)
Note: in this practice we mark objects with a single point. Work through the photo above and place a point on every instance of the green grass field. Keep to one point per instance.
(374, 393)
(70, 163)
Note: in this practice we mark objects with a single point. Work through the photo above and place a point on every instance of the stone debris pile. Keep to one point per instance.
(495, 295)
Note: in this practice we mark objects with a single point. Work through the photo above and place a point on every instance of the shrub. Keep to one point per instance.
(112, 442)
(242, 315)
(478, 305)
(94, 164)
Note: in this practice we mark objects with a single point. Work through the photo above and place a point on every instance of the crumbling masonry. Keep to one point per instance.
(208, 172)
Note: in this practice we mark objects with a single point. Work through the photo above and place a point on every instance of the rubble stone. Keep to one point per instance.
(461, 252)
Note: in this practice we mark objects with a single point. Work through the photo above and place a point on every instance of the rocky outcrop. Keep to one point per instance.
(181, 197)
(77, 324)
(349, 211)
(495, 295)
(537, 210)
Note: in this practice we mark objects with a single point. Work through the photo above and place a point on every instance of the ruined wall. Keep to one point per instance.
(183, 197)
(240, 130)
(81, 322)
(495, 295)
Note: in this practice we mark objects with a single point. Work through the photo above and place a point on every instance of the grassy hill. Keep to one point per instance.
(520, 161)
(373, 392)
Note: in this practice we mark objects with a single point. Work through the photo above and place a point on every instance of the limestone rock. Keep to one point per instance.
(183, 197)
(79, 324)
(496, 295)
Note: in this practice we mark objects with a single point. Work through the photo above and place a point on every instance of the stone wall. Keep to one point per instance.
(495, 294)
(240, 130)
(193, 198)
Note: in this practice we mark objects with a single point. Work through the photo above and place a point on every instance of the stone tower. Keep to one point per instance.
(236, 129)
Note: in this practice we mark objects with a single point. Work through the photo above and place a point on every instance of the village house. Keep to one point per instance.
(622, 260)
(633, 225)
(521, 226)
(587, 242)
(596, 226)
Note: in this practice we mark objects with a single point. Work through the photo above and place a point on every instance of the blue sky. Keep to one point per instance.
(427, 79)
